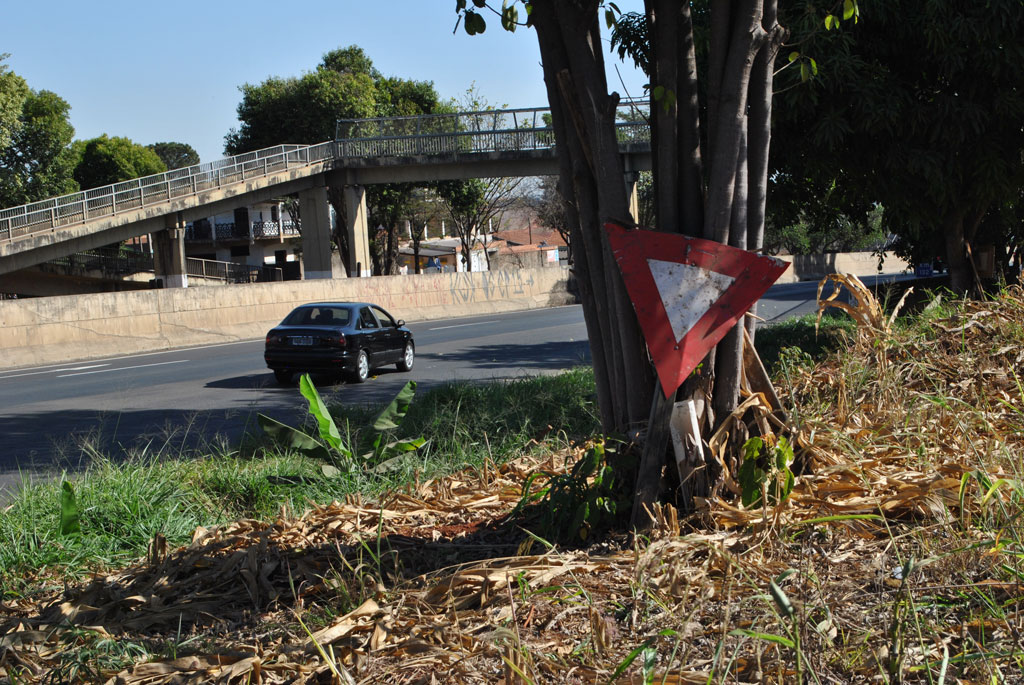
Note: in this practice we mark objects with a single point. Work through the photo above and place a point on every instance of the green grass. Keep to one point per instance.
(124, 505)
(772, 339)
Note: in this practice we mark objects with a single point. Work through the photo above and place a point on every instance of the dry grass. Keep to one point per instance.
(897, 558)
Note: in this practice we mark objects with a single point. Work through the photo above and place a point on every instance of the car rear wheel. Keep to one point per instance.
(283, 377)
(362, 369)
(408, 357)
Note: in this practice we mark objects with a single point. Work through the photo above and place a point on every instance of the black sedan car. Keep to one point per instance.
(338, 338)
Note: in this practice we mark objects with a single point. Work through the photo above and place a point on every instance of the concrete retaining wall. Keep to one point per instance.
(52, 330)
(817, 266)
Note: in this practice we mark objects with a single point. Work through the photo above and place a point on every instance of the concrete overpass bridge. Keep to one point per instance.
(513, 142)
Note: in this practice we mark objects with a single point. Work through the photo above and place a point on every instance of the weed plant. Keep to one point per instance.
(123, 505)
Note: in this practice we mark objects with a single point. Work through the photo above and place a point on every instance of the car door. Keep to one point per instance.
(373, 338)
(393, 340)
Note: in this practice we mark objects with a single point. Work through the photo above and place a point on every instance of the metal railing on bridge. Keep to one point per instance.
(110, 263)
(232, 272)
(501, 130)
(431, 134)
(104, 201)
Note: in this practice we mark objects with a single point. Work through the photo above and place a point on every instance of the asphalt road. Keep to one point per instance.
(170, 402)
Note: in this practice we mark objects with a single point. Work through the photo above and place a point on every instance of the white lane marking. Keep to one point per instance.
(462, 325)
(36, 373)
(50, 367)
(123, 368)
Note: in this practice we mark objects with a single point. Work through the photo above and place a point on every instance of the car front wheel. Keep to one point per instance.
(408, 357)
(362, 369)
(283, 377)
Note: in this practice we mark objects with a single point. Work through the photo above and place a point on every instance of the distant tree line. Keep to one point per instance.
(40, 158)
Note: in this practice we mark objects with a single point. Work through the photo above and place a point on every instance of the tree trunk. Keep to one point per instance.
(956, 258)
(583, 115)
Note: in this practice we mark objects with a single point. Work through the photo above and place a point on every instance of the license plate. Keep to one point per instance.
(302, 340)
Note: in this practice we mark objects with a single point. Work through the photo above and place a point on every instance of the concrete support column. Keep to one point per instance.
(358, 231)
(316, 233)
(634, 197)
(169, 253)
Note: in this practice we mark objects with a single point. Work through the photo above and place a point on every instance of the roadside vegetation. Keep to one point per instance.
(881, 544)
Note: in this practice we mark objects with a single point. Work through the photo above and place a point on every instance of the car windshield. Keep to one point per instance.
(318, 316)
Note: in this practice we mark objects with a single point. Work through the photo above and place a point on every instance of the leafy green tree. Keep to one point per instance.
(919, 108)
(106, 160)
(39, 161)
(306, 109)
(175, 155)
(13, 91)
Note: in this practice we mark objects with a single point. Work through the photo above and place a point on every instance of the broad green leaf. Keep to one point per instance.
(396, 411)
(69, 515)
(293, 438)
(804, 71)
(848, 9)
(658, 92)
(814, 66)
(830, 21)
(609, 18)
(794, 56)
(328, 429)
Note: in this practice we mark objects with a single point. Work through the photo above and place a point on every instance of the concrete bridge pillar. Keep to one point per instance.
(634, 197)
(169, 253)
(358, 231)
(316, 233)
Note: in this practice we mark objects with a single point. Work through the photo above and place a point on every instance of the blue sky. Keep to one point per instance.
(170, 71)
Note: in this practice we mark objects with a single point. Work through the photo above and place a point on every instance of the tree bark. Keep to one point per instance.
(583, 115)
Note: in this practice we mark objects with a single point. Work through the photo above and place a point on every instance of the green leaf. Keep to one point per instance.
(804, 72)
(328, 429)
(69, 514)
(293, 438)
(396, 411)
(460, 5)
(658, 92)
(475, 23)
(814, 66)
(609, 18)
(830, 21)
(781, 600)
(768, 637)
(848, 9)
(794, 56)
(630, 658)
(509, 18)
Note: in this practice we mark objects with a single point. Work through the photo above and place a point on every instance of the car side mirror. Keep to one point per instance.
(400, 322)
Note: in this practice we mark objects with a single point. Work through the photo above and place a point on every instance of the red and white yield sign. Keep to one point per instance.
(687, 293)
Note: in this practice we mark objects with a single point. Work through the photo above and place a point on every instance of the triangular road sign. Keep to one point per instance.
(687, 293)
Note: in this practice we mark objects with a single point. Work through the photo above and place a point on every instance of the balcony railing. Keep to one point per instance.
(207, 233)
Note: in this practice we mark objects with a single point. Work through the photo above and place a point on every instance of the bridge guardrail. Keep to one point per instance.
(462, 132)
(469, 132)
(82, 206)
